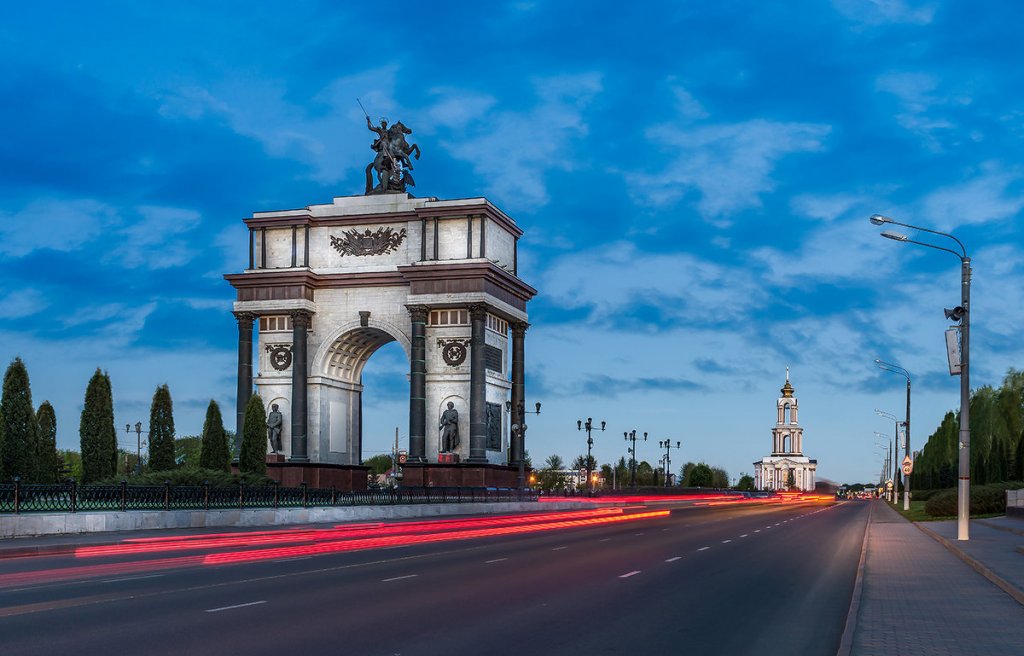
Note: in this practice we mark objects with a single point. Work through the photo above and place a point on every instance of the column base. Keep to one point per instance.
(298, 459)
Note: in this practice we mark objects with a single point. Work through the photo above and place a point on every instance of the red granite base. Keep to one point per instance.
(318, 475)
(459, 475)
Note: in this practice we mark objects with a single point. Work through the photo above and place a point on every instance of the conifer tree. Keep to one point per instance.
(21, 435)
(96, 430)
(161, 430)
(253, 456)
(215, 453)
(48, 459)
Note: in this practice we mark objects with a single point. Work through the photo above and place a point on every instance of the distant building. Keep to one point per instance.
(787, 468)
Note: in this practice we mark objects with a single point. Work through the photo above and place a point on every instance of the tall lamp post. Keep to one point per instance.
(961, 313)
(896, 431)
(520, 431)
(631, 437)
(888, 459)
(896, 369)
(138, 443)
(589, 426)
(668, 446)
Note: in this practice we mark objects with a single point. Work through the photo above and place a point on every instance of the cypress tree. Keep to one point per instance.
(161, 430)
(96, 430)
(48, 459)
(21, 435)
(253, 456)
(215, 453)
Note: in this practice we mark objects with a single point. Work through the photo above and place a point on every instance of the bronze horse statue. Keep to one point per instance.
(392, 163)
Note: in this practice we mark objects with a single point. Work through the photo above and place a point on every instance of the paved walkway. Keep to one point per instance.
(919, 596)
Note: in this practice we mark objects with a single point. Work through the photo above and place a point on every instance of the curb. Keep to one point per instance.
(40, 550)
(846, 642)
(1008, 529)
(978, 566)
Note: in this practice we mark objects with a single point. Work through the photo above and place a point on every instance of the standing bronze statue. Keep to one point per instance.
(274, 422)
(450, 429)
(391, 165)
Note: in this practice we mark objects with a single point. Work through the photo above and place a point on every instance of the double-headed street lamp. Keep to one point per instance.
(888, 459)
(589, 426)
(520, 431)
(631, 437)
(668, 446)
(138, 444)
(896, 369)
(961, 313)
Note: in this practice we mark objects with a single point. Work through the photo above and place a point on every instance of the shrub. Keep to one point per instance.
(985, 499)
(191, 476)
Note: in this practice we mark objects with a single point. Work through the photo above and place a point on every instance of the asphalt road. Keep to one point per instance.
(773, 579)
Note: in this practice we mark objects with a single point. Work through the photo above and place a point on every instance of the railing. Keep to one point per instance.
(70, 497)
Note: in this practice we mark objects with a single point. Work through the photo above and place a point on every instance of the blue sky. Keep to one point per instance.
(694, 182)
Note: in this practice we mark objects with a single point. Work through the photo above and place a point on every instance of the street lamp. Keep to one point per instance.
(668, 446)
(896, 369)
(138, 444)
(631, 437)
(963, 315)
(589, 426)
(896, 430)
(888, 460)
(520, 431)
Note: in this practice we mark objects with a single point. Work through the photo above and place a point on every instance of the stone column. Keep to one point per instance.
(418, 384)
(517, 445)
(245, 320)
(300, 376)
(477, 385)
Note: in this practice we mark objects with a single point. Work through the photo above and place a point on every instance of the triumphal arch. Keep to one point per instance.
(327, 285)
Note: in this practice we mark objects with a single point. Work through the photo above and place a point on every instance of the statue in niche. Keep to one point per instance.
(275, 420)
(450, 429)
(391, 164)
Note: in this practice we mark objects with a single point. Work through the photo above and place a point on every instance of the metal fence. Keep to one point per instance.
(71, 497)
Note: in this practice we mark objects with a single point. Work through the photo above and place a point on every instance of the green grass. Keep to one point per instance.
(917, 513)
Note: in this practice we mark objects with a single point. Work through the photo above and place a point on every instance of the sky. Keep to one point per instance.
(694, 181)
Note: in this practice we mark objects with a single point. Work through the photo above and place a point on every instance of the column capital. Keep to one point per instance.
(478, 311)
(418, 312)
(518, 327)
(245, 317)
(300, 317)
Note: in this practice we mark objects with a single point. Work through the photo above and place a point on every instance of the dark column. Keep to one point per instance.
(245, 320)
(517, 447)
(418, 384)
(300, 373)
(477, 386)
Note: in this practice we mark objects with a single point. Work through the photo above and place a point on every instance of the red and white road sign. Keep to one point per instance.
(908, 465)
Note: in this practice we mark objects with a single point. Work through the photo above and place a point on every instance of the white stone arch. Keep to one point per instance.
(346, 349)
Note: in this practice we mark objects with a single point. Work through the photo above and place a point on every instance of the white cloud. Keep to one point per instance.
(919, 100)
(511, 151)
(61, 225)
(994, 195)
(879, 12)
(151, 242)
(730, 164)
(22, 303)
(826, 207)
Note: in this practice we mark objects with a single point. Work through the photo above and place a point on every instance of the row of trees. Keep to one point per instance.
(552, 475)
(997, 440)
(28, 437)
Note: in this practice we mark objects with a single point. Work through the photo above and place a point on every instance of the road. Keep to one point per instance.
(752, 579)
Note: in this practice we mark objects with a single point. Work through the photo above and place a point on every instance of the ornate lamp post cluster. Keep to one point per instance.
(961, 314)
(667, 460)
(589, 426)
(631, 437)
(138, 444)
(519, 431)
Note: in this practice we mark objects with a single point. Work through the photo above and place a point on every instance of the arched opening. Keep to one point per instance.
(360, 408)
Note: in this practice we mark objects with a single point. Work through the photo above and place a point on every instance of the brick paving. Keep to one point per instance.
(919, 598)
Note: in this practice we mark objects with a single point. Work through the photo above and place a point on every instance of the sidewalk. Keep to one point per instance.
(919, 596)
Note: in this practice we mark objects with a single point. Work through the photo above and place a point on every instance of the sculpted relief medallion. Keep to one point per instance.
(280, 356)
(453, 351)
(379, 242)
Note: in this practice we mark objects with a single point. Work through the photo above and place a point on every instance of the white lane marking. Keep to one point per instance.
(664, 530)
(604, 539)
(399, 578)
(638, 534)
(757, 530)
(673, 559)
(251, 603)
(776, 523)
(629, 574)
(744, 535)
(288, 560)
(496, 560)
(726, 541)
(133, 578)
(703, 548)
(559, 548)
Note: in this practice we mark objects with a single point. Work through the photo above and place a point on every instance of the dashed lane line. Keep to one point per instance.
(559, 548)
(672, 559)
(744, 535)
(399, 578)
(251, 603)
(604, 539)
(133, 578)
(495, 560)
(703, 548)
(726, 541)
(629, 574)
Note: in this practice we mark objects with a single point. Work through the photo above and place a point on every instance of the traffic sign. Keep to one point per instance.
(403, 457)
(908, 465)
(888, 484)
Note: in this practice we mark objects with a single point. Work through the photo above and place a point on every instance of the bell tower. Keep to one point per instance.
(787, 436)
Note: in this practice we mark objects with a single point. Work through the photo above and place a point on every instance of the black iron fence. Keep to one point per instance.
(70, 497)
